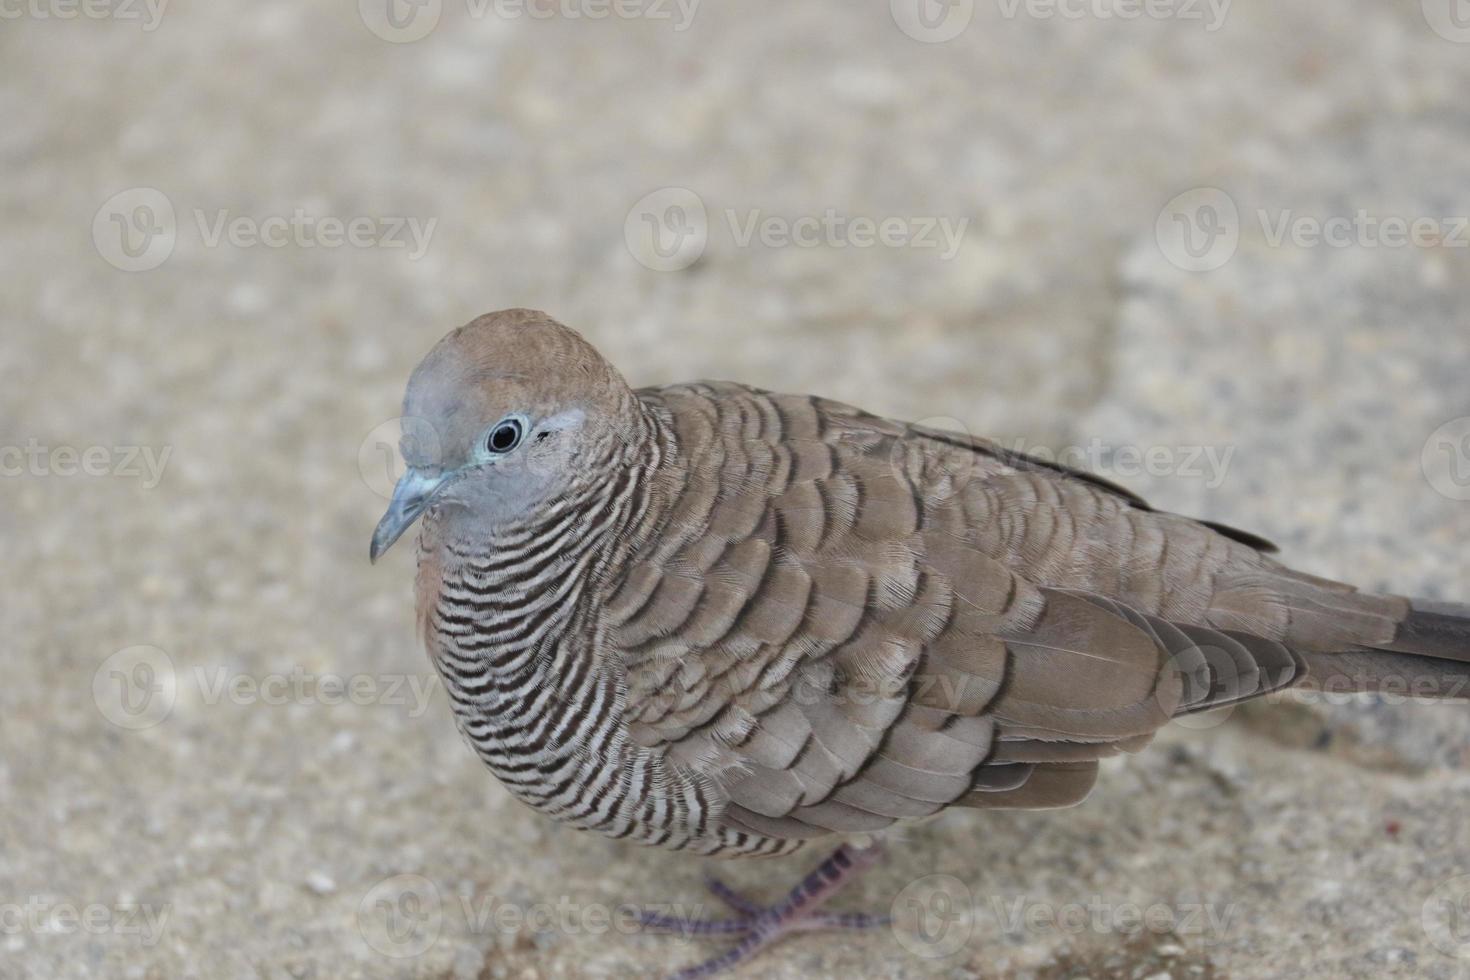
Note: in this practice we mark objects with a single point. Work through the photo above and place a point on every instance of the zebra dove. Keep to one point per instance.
(725, 621)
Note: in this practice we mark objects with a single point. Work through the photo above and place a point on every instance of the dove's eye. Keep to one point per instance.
(505, 436)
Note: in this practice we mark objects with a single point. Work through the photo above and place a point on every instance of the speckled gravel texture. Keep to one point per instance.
(193, 808)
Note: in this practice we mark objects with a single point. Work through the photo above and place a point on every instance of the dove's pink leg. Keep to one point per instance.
(760, 926)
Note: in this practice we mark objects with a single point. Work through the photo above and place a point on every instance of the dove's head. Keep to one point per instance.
(504, 416)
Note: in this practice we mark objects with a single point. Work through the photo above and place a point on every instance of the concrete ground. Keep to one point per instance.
(1217, 251)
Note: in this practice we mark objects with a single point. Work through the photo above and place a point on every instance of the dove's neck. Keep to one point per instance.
(512, 622)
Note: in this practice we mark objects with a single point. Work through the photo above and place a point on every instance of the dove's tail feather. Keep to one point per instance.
(1428, 657)
(1435, 629)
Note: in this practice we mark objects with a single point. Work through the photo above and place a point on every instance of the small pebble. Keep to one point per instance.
(321, 883)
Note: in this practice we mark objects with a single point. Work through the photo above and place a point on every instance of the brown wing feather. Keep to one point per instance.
(846, 621)
(1024, 461)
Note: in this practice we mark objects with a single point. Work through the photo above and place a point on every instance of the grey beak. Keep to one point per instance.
(410, 497)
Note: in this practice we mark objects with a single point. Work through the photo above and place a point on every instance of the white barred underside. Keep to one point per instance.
(516, 638)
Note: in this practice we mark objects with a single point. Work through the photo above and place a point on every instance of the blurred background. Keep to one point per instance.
(1216, 250)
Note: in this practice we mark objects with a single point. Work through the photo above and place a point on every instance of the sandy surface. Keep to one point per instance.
(193, 386)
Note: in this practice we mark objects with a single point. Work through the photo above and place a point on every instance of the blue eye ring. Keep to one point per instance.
(505, 436)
